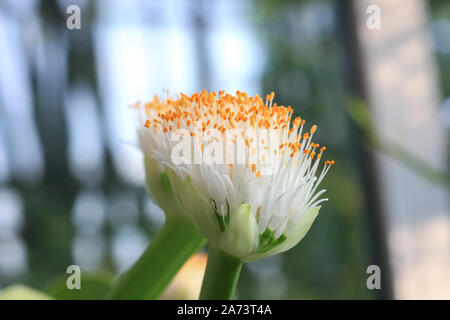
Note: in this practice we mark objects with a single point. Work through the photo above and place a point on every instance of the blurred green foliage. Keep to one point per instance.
(360, 113)
(94, 285)
(304, 68)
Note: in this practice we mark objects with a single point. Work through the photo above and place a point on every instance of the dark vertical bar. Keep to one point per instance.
(199, 31)
(50, 86)
(356, 79)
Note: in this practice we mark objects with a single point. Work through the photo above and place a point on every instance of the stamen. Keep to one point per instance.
(206, 111)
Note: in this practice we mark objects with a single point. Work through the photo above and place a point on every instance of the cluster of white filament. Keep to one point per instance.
(278, 198)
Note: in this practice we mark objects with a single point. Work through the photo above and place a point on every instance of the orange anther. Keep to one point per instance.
(272, 95)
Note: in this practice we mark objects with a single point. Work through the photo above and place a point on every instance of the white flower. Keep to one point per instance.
(256, 198)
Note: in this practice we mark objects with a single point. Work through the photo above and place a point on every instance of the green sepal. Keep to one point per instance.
(160, 188)
(220, 219)
(268, 241)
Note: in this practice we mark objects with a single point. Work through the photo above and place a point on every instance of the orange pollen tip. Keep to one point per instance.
(204, 111)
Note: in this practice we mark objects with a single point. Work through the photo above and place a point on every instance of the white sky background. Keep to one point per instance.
(17, 128)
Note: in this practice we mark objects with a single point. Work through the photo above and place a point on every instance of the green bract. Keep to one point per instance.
(236, 232)
(158, 184)
(240, 237)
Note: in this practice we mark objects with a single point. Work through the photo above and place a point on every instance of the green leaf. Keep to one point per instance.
(177, 240)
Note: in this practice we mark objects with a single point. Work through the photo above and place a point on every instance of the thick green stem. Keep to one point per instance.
(177, 240)
(221, 275)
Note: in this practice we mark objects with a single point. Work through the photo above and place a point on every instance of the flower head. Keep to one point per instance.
(242, 171)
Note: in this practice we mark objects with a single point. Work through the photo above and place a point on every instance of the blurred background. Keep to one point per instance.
(71, 178)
